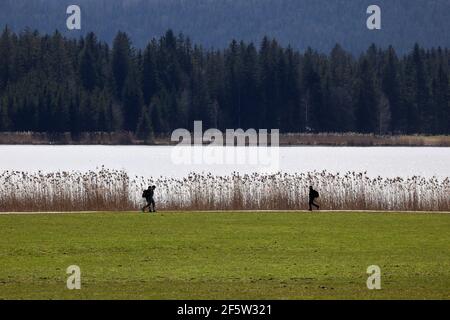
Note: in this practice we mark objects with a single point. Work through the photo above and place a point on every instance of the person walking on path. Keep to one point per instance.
(148, 195)
(313, 195)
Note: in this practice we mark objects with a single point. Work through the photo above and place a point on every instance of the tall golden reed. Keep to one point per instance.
(115, 190)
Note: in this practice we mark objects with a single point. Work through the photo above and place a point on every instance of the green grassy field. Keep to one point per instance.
(225, 255)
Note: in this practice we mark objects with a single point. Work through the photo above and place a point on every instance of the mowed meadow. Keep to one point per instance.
(232, 255)
(116, 190)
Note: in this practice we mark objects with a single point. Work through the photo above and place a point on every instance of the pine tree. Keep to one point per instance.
(340, 96)
(313, 96)
(150, 82)
(121, 61)
(4, 119)
(249, 88)
(391, 89)
(422, 90)
(6, 56)
(89, 63)
(144, 130)
(442, 102)
(366, 99)
(132, 102)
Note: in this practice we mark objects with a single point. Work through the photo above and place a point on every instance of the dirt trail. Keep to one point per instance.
(221, 211)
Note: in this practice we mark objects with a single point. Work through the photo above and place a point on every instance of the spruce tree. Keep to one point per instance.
(366, 99)
(144, 130)
(121, 61)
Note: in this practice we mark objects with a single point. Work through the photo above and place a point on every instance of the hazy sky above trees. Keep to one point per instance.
(319, 24)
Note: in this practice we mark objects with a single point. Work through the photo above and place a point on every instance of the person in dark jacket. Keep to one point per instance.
(313, 194)
(148, 195)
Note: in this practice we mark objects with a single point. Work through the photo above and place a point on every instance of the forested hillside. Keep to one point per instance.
(319, 24)
(52, 84)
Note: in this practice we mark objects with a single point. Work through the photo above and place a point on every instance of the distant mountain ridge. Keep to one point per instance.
(319, 24)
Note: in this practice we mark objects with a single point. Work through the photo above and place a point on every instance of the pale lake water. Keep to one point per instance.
(155, 161)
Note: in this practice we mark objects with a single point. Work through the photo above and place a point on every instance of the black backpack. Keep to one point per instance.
(145, 194)
(316, 194)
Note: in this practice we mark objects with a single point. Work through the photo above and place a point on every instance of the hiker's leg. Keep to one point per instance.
(316, 205)
(310, 203)
(153, 205)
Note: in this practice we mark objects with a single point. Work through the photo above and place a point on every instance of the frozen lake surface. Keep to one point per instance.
(162, 161)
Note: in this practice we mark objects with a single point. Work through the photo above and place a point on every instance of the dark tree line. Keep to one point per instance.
(52, 84)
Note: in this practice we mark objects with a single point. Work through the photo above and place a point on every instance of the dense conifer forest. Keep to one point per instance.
(50, 83)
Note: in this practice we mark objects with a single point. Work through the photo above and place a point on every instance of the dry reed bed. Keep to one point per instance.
(113, 190)
(289, 139)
